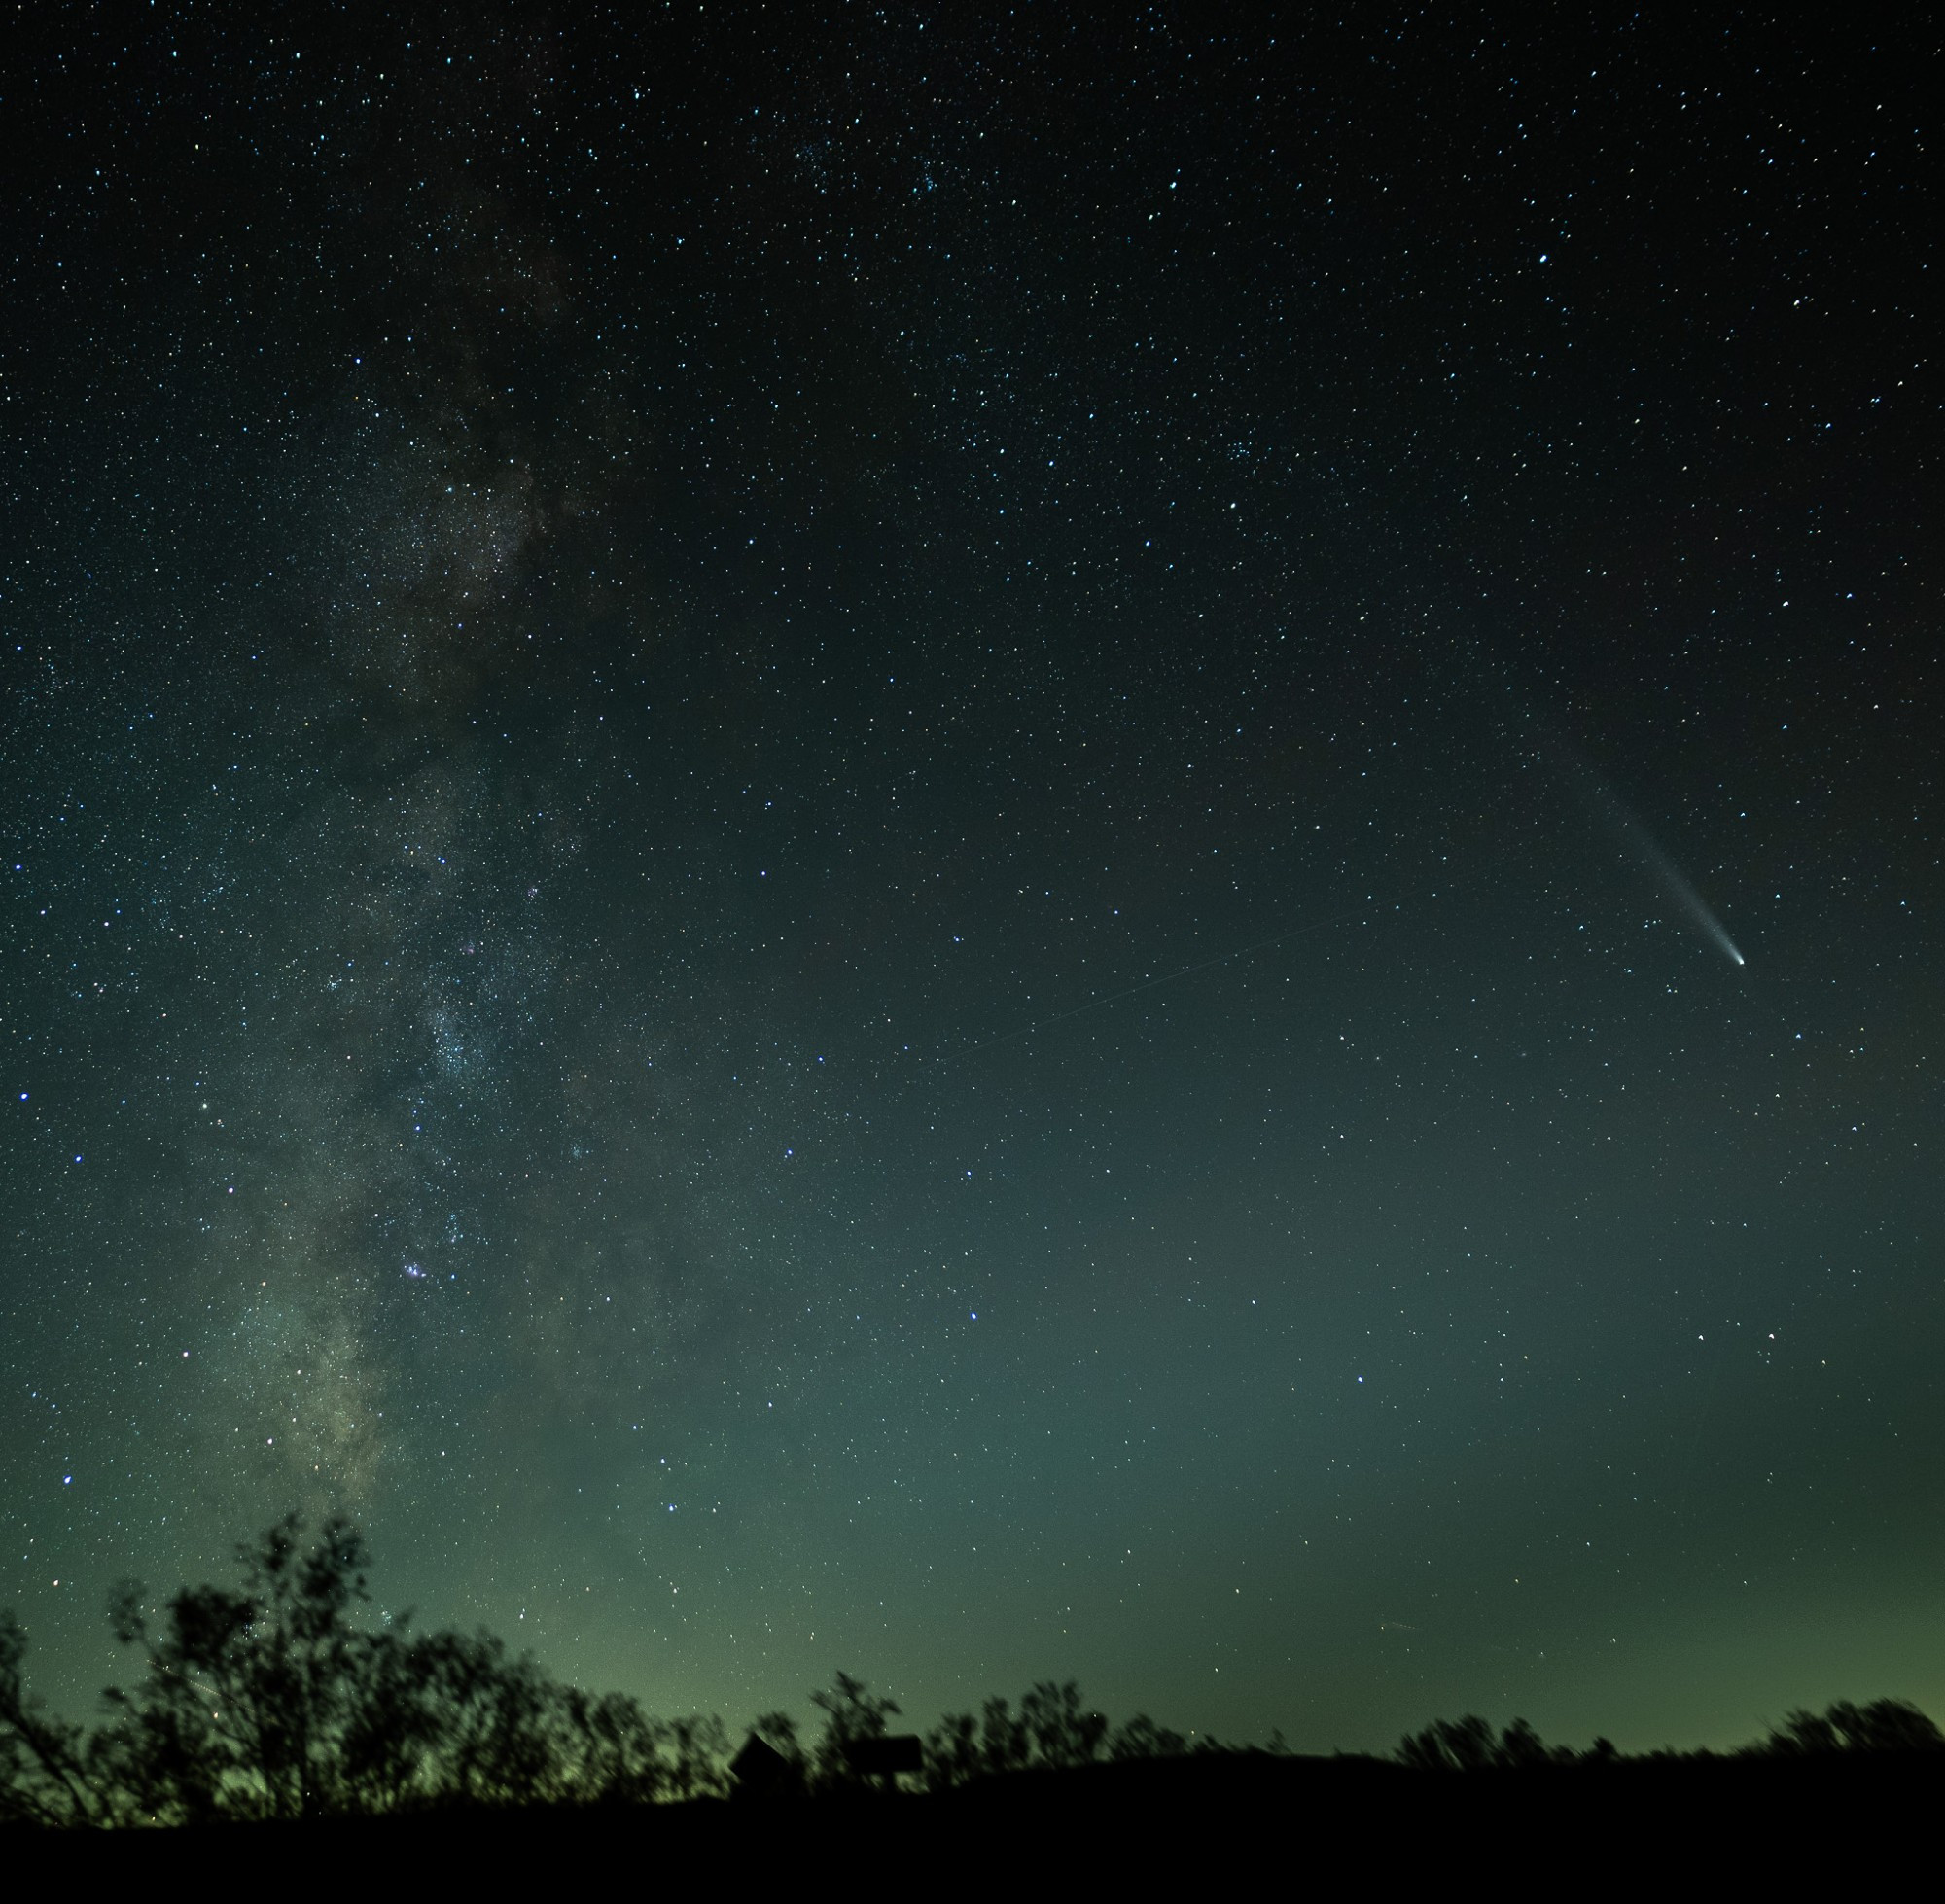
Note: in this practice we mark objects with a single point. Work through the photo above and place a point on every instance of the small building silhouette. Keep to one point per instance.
(761, 1771)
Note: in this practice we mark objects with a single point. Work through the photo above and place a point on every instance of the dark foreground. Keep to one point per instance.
(1220, 1822)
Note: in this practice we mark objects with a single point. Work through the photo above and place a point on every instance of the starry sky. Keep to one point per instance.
(983, 843)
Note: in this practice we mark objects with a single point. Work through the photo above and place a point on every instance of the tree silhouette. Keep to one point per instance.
(1884, 1726)
(276, 1699)
(47, 1776)
(702, 1750)
(1141, 1738)
(1003, 1739)
(389, 1726)
(952, 1752)
(270, 1702)
(1520, 1748)
(1050, 1730)
(617, 1751)
(494, 1740)
(851, 1711)
(245, 1697)
(1465, 1744)
(1063, 1735)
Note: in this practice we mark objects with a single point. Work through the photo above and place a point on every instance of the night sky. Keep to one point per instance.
(985, 844)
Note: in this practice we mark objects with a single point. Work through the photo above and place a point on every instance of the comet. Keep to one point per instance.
(1643, 845)
(1676, 883)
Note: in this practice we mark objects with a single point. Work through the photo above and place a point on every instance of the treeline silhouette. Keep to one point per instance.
(271, 1702)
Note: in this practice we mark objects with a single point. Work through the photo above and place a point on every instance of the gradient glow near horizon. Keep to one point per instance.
(764, 870)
